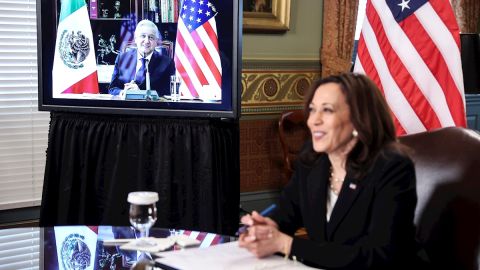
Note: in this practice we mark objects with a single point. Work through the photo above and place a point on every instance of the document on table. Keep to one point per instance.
(224, 256)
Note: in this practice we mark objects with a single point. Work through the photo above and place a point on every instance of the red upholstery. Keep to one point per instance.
(447, 166)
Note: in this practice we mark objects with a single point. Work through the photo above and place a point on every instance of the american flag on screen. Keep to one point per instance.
(197, 58)
(411, 50)
(127, 30)
(206, 239)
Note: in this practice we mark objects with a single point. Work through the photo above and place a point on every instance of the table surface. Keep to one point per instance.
(82, 247)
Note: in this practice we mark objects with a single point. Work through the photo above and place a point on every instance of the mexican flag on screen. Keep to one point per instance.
(76, 247)
(74, 68)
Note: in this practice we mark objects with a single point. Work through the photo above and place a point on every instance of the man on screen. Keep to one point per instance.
(137, 66)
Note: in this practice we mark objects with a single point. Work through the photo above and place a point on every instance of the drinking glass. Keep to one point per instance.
(143, 212)
(175, 88)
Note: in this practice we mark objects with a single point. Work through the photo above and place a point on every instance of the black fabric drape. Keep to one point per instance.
(94, 161)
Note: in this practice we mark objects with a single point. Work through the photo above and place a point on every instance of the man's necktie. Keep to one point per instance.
(141, 73)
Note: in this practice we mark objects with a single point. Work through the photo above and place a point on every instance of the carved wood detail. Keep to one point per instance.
(269, 91)
(274, 86)
(467, 13)
(339, 19)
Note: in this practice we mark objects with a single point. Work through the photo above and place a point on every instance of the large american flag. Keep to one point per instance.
(411, 50)
(197, 58)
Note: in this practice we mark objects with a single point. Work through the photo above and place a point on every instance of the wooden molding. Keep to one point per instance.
(467, 13)
(339, 19)
(273, 86)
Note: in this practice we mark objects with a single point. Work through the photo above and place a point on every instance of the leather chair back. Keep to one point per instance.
(292, 132)
(447, 166)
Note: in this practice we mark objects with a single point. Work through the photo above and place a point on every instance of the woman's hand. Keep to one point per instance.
(265, 240)
(263, 237)
(256, 219)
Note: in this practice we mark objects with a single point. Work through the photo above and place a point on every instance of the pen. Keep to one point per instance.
(265, 212)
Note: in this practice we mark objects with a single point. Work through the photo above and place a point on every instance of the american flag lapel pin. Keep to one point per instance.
(352, 186)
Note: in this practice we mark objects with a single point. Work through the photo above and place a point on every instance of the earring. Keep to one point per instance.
(354, 133)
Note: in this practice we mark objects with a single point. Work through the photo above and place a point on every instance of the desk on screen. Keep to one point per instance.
(82, 247)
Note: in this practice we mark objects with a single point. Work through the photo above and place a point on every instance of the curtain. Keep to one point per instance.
(94, 161)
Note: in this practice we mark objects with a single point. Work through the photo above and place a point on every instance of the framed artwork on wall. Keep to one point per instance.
(266, 16)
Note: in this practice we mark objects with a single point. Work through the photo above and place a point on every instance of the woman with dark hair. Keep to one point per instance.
(353, 188)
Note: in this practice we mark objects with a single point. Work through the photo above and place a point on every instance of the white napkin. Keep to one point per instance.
(184, 241)
(114, 242)
(157, 244)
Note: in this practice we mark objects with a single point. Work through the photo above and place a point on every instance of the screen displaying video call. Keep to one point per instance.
(182, 56)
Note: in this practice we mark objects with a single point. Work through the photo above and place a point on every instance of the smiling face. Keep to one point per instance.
(329, 121)
(145, 39)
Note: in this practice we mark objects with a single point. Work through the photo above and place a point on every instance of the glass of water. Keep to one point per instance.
(143, 212)
(175, 88)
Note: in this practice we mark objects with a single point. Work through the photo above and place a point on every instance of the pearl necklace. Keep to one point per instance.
(333, 180)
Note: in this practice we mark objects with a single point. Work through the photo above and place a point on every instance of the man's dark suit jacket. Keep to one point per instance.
(371, 226)
(160, 68)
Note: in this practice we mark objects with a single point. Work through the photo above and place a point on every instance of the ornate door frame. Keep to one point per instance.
(339, 19)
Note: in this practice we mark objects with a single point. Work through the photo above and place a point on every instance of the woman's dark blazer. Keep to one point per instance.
(371, 226)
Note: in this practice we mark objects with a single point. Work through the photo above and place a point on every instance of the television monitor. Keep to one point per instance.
(78, 46)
